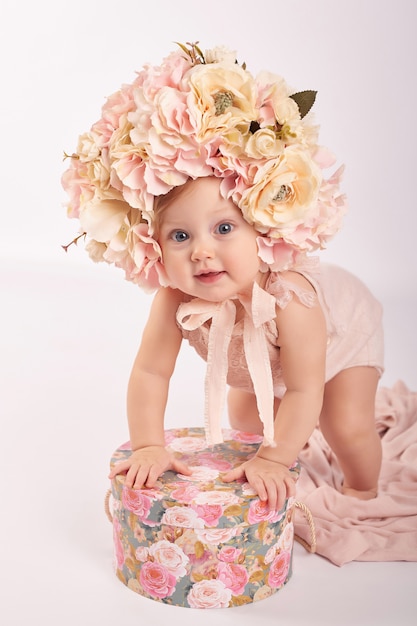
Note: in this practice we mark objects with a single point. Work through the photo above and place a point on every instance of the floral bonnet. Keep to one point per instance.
(202, 114)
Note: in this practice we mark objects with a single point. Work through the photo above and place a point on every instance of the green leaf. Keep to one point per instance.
(304, 101)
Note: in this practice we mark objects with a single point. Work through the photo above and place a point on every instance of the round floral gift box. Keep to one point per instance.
(195, 541)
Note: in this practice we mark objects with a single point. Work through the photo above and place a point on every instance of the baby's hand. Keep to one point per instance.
(271, 480)
(144, 466)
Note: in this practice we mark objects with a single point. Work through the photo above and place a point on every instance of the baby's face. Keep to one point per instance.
(208, 250)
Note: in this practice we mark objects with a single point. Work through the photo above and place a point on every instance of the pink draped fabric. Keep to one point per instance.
(383, 529)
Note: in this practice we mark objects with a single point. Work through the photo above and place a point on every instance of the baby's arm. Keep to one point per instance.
(148, 393)
(302, 342)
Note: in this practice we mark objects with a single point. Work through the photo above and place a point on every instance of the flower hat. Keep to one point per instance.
(202, 114)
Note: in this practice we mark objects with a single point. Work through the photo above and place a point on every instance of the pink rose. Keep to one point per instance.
(279, 570)
(209, 594)
(210, 513)
(184, 493)
(116, 106)
(136, 502)
(228, 554)
(222, 465)
(234, 577)
(259, 511)
(156, 580)
(239, 435)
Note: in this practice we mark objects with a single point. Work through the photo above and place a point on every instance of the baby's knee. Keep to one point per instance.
(348, 429)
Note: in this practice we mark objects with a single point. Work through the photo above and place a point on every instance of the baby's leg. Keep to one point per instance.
(348, 423)
(243, 411)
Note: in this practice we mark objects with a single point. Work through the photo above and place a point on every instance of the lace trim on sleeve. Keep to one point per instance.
(284, 291)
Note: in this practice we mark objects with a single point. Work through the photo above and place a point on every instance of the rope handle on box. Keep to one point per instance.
(310, 547)
(107, 506)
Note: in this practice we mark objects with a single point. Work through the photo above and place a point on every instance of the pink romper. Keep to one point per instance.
(244, 354)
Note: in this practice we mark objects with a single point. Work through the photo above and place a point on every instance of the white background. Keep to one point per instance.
(70, 328)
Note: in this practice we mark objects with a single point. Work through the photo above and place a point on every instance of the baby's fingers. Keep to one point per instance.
(119, 468)
(234, 474)
(279, 492)
(181, 467)
(257, 483)
(136, 476)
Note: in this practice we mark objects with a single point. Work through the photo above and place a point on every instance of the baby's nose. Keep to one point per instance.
(202, 249)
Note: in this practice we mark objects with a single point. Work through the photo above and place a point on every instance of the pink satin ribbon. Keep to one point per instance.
(259, 308)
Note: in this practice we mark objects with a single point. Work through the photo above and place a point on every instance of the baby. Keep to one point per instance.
(207, 185)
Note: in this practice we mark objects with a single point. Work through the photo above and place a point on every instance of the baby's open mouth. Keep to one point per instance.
(210, 276)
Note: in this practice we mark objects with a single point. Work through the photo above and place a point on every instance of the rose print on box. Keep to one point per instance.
(194, 541)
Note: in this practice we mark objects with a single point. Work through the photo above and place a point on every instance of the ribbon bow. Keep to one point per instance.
(258, 309)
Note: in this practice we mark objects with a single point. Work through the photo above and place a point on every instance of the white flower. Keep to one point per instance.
(209, 594)
(182, 516)
(215, 536)
(171, 556)
(224, 498)
(188, 444)
(220, 53)
(201, 474)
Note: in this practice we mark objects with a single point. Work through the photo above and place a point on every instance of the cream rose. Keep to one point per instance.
(264, 143)
(209, 594)
(215, 536)
(98, 172)
(283, 192)
(286, 538)
(170, 556)
(103, 219)
(96, 250)
(87, 148)
(222, 97)
(224, 498)
(220, 53)
(201, 474)
(188, 444)
(262, 593)
(182, 516)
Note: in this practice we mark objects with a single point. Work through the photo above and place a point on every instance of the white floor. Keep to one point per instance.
(68, 336)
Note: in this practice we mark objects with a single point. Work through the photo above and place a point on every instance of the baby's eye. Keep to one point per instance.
(179, 236)
(224, 228)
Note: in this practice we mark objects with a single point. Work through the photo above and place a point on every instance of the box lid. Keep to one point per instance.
(201, 500)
